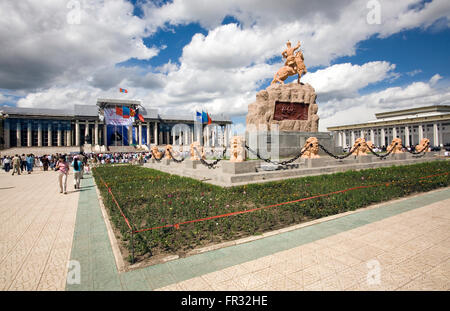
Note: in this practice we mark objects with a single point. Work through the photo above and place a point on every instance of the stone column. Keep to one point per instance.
(130, 135)
(59, 136)
(148, 133)
(68, 138)
(7, 133)
(140, 134)
(86, 131)
(435, 134)
(407, 142)
(77, 133)
(173, 138)
(155, 132)
(19, 134)
(39, 134)
(372, 136)
(394, 132)
(352, 142)
(383, 137)
(49, 135)
(29, 136)
(96, 133)
(420, 132)
(167, 137)
(344, 139)
(441, 139)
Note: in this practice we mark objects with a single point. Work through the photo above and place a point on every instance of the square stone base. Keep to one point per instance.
(191, 163)
(399, 156)
(166, 161)
(316, 162)
(240, 167)
(289, 143)
(365, 159)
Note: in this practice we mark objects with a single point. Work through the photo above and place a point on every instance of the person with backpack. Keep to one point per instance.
(77, 171)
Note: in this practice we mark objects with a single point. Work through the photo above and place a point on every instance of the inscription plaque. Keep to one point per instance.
(290, 111)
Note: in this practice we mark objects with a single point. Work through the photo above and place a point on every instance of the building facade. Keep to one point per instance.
(85, 124)
(411, 125)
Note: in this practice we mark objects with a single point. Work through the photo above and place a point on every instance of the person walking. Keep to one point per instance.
(29, 163)
(63, 172)
(16, 164)
(77, 170)
(7, 164)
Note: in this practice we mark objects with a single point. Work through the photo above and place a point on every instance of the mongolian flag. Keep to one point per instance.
(204, 117)
(140, 117)
(132, 112)
(123, 90)
(119, 111)
(126, 112)
(209, 118)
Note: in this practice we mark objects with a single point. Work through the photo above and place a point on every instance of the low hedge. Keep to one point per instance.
(151, 198)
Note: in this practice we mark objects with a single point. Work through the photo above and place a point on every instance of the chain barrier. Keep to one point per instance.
(420, 153)
(339, 157)
(283, 163)
(154, 157)
(173, 158)
(212, 164)
(384, 156)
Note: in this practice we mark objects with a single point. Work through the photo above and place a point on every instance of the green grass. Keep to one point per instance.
(151, 198)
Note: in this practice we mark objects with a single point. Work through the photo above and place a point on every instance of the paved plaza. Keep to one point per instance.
(398, 245)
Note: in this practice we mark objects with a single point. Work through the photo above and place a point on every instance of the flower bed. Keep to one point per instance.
(151, 198)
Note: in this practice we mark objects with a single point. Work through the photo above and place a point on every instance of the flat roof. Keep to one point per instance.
(412, 111)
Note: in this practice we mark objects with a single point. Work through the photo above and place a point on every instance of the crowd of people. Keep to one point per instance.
(80, 163)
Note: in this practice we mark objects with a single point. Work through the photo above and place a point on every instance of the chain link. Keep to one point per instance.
(173, 158)
(154, 157)
(212, 164)
(420, 153)
(339, 157)
(283, 163)
(384, 156)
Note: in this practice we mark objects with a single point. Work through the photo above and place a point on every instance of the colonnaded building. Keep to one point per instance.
(85, 128)
(411, 125)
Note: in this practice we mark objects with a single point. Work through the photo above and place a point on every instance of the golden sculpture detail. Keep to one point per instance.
(395, 148)
(360, 147)
(194, 153)
(423, 145)
(370, 144)
(169, 151)
(293, 65)
(237, 151)
(156, 153)
(311, 148)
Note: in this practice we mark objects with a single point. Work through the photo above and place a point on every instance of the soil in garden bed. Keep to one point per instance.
(151, 198)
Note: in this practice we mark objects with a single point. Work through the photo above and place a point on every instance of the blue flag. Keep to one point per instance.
(204, 117)
(198, 116)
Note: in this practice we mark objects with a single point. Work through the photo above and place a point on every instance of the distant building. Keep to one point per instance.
(85, 124)
(411, 125)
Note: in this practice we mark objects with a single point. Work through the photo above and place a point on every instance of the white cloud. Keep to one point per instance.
(361, 109)
(434, 79)
(221, 71)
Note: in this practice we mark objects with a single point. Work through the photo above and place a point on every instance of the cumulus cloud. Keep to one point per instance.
(361, 109)
(58, 63)
(43, 45)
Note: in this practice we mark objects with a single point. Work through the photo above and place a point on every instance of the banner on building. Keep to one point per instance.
(114, 118)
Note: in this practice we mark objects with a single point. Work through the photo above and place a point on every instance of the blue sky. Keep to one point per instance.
(181, 56)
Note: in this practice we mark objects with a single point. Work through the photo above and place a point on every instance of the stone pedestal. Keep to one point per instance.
(240, 167)
(165, 161)
(399, 156)
(289, 143)
(365, 159)
(191, 163)
(320, 162)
